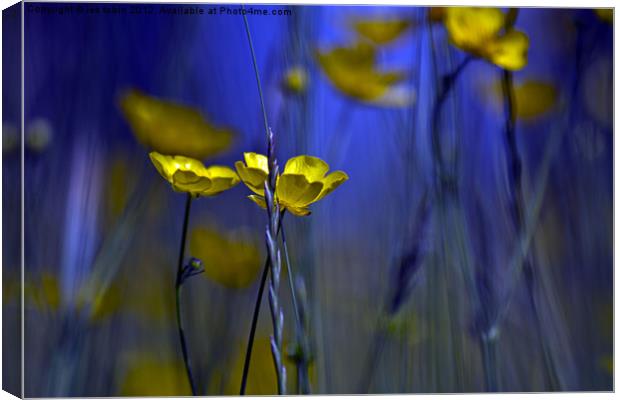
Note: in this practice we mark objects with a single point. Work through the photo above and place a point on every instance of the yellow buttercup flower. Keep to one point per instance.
(171, 128)
(296, 80)
(353, 71)
(229, 260)
(303, 181)
(381, 31)
(151, 376)
(44, 292)
(191, 176)
(261, 376)
(481, 32)
(605, 14)
(532, 98)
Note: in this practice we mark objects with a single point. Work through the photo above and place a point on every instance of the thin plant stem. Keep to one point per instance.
(271, 233)
(257, 305)
(290, 274)
(408, 266)
(275, 263)
(179, 282)
(445, 88)
(256, 73)
(515, 172)
(302, 380)
(489, 362)
(445, 185)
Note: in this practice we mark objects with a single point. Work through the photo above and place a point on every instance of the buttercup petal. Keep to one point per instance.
(189, 164)
(470, 28)
(510, 50)
(215, 248)
(255, 160)
(352, 70)
(163, 164)
(188, 181)
(331, 182)
(381, 31)
(253, 178)
(299, 211)
(220, 171)
(360, 56)
(294, 190)
(191, 176)
(222, 178)
(218, 185)
(313, 168)
(534, 98)
(258, 200)
(173, 128)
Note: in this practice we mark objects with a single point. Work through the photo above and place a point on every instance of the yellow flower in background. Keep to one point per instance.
(230, 260)
(154, 305)
(11, 288)
(105, 304)
(150, 376)
(607, 364)
(262, 376)
(605, 14)
(532, 98)
(303, 181)
(191, 176)
(119, 181)
(296, 80)
(43, 292)
(10, 137)
(381, 31)
(481, 32)
(171, 128)
(353, 71)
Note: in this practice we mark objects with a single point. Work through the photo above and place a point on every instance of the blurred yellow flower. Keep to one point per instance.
(228, 260)
(262, 377)
(296, 80)
(38, 135)
(481, 32)
(605, 14)
(150, 376)
(607, 364)
(10, 137)
(532, 98)
(381, 31)
(43, 292)
(107, 303)
(155, 305)
(191, 176)
(302, 183)
(352, 70)
(120, 180)
(11, 288)
(171, 128)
